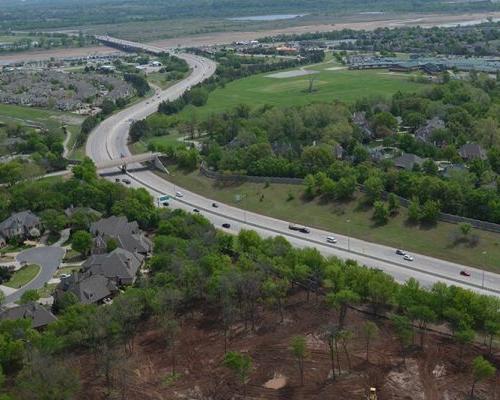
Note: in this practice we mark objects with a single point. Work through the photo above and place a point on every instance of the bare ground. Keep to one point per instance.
(433, 374)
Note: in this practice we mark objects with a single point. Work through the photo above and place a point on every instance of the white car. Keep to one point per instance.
(331, 239)
(179, 194)
(407, 257)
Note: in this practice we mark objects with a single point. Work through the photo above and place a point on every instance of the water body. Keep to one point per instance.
(271, 17)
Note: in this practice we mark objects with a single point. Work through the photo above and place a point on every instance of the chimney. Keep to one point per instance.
(128, 262)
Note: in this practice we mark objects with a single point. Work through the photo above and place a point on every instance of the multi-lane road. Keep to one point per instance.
(109, 141)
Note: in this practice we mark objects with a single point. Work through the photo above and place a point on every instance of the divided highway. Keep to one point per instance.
(109, 141)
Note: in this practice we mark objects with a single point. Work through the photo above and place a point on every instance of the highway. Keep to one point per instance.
(109, 141)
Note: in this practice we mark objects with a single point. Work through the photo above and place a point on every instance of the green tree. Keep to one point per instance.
(380, 213)
(404, 331)
(369, 331)
(414, 211)
(430, 212)
(465, 228)
(463, 337)
(53, 220)
(29, 296)
(300, 352)
(393, 204)
(374, 186)
(341, 302)
(111, 245)
(481, 369)
(85, 171)
(81, 241)
(241, 365)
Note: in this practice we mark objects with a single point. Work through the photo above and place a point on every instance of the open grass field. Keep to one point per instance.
(48, 119)
(331, 82)
(23, 276)
(286, 202)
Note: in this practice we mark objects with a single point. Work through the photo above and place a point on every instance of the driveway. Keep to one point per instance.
(48, 258)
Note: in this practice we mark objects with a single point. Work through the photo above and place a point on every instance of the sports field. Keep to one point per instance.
(330, 82)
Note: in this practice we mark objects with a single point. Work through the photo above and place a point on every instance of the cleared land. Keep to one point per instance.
(328, 85)
(23, 276)
(286, 202)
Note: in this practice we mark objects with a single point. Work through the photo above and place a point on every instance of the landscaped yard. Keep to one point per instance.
(286, 202)
(23, 276)
(331, 82)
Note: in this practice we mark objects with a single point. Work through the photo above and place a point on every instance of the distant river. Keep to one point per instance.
(272, 17)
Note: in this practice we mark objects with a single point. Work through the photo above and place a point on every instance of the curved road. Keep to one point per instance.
(109, 141)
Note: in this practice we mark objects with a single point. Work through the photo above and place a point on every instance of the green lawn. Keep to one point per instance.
(48, 119)
(47, 290)
(285, 202)
(329, 85)
(23, 276)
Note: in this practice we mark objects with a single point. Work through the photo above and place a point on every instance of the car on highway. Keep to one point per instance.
(226, 225)
(464, 273)
(215, 205)
(407, 257)
(331, 239)
(165, 204)
(298, 228)
(126, 181)
(400, 252)
(117, 180)
(179, 194)
(195, 210)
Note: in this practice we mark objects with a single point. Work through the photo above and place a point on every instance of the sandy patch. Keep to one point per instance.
(279, 381)
(335, 68)
(292, 74)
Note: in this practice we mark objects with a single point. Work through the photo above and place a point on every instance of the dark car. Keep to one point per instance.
(195, 210)
(400, 252)
(226, 225)
(464, 273)
(215, 205)
(117, 179)
(302, 229)
(126, 181)
(165, 204)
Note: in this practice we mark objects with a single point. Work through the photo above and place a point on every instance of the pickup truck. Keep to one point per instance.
(297, 228)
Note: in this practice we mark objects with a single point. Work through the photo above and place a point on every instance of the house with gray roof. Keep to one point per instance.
(39, 316)
(425, 132)
(87, 287)
(21, 225)
(127, 235)
(120, 266)
(359, 119)
(472, 151)
(408, 161)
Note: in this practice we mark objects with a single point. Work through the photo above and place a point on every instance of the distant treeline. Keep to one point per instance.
(33, 14)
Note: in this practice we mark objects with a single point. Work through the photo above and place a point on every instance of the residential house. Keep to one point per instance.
(359, 119)
(21, 225)
(127, 235)
(39, 316)
(408, 161)
(472, 151)
(87, 287)
(120, 266)
(425, 132)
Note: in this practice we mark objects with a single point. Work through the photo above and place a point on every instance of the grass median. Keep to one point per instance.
(23, 276)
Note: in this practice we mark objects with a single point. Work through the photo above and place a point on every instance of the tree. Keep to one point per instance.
(299, 351)
(81, 242)
(380, 213)
(393, 204)
(54, 220)
(275, 292)
(424, 315)
(85, 171)
(465, 228)
(44, 378)
(481, 369)
(138, 129)
(29, 296)
(404, 331)
(330, 336)
(111, 245)
(414, 211)
(463, 336)
(369, 331)
(341, 302)
(373, 189)
(430, 212)
(241, 365)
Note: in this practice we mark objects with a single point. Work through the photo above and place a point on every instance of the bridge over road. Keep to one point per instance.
(123, 162)
(127, 45)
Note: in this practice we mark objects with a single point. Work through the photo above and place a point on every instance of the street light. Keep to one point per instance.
(485, 255)
(348, 235)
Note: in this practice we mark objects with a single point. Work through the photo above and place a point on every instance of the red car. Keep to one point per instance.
(464, 273)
